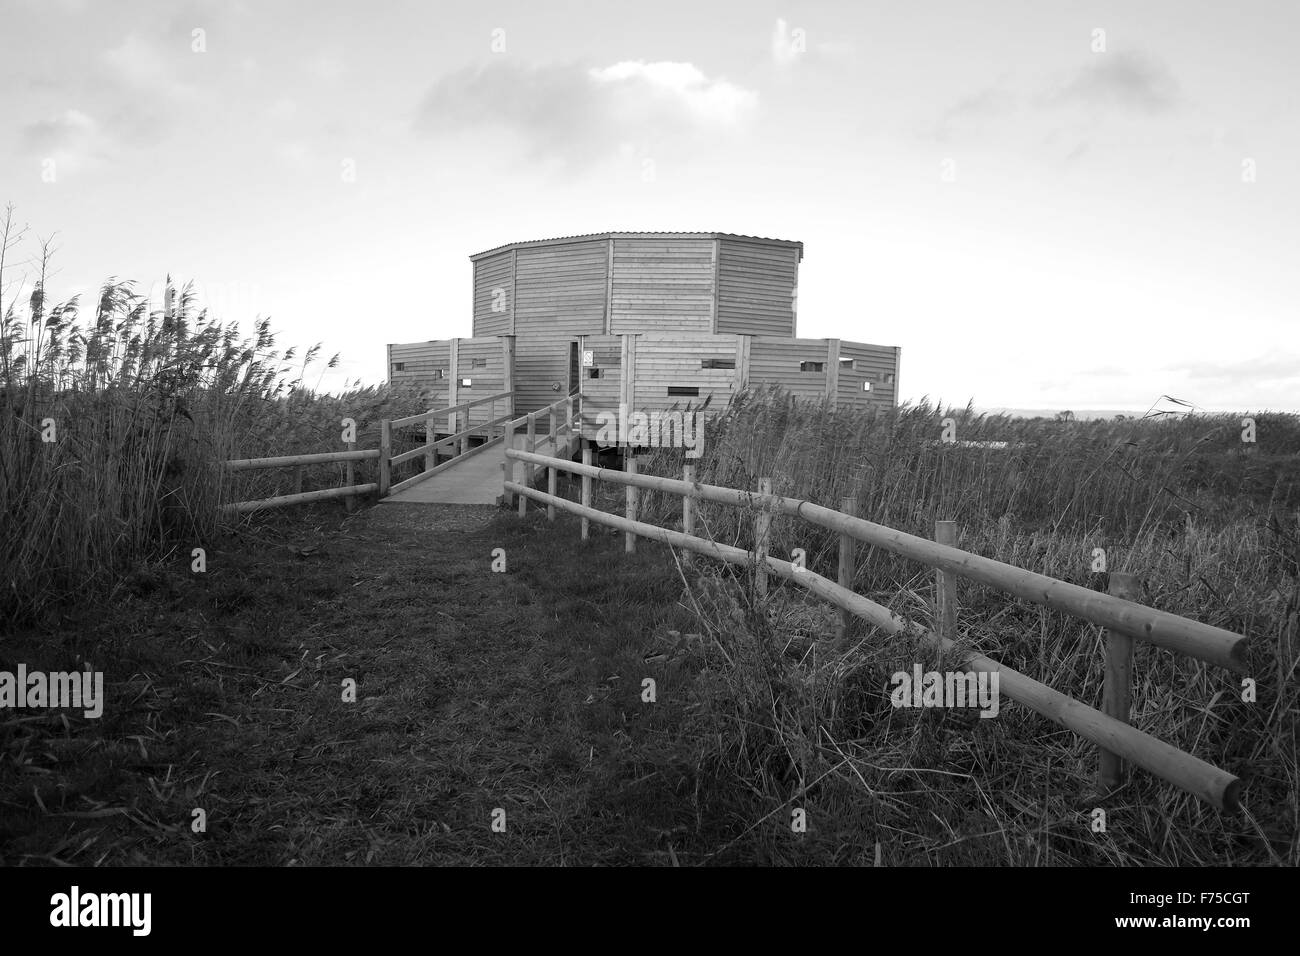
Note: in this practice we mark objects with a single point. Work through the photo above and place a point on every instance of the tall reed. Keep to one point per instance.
(112, 418)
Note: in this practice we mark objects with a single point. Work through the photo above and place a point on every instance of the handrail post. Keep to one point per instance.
(575, 416)
(945, 588)
(586, 490)
(385, 453)
(555, 431)
(629, 541)
(844, 577)
(688, 511)
(1116, 694)
(762, 533)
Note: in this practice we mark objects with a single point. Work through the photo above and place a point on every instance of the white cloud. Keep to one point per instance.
(72, 139)
(706, 101)
(575, 116)
(138, 63)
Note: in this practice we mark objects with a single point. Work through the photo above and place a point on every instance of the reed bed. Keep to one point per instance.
(795, 718)
(112, 417)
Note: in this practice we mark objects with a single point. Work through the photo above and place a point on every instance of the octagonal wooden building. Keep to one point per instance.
(647, 320)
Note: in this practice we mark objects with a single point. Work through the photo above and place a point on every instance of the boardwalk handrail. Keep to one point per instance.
(553, 407)
(451, 410)
(1204, 642)
(429, 446)
(460, 438)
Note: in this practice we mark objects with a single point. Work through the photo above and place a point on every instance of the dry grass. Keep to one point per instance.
(111, 419)
(795, 720)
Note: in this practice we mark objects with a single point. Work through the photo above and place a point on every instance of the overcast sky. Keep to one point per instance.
(1040, 214)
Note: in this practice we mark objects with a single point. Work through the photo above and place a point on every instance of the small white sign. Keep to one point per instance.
(588, 358)
(465, 383)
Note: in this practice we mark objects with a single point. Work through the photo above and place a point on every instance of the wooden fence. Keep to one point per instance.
(348, 490)
(458, 441)
(1124, 620)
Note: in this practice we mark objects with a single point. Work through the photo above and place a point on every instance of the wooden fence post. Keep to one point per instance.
(297, 479)
(531, 470)
(509, 466)
(521, 477)
(1116, 694)
(688, 511)
(552, 485)
(430, 436)
(586, 489)
(385, 454)
(762, 531)
(555, 432)
(350, 479)
(848, 546)
(945, 588)
(630, 466)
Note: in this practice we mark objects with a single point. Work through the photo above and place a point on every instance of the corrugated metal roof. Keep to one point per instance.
(635, 235)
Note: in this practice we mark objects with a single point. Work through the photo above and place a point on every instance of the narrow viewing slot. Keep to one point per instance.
(717, 363)
(812, 366)
(692, 390)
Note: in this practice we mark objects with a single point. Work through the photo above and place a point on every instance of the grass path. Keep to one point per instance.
(476, 691)
(522, 691)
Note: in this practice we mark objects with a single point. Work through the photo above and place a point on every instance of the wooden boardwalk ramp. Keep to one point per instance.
(472, 477)
(475, 480)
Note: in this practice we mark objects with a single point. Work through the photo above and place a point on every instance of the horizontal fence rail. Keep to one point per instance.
(347, 491)
(1110, 733)
(247, 464)
(1202, 641)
